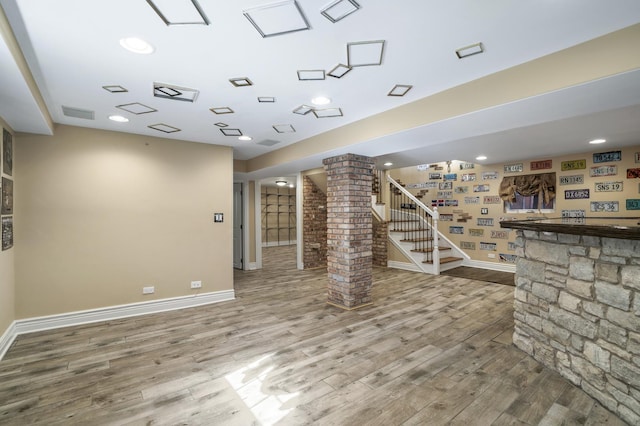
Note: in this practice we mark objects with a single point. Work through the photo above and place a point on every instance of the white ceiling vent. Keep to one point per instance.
(268, 142)
(78, 113)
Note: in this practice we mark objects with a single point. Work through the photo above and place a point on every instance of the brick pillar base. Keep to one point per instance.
(349, 230)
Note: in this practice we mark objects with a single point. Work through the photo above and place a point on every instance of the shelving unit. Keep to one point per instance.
(278, 216)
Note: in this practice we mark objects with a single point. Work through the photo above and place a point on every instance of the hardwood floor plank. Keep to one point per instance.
(430, 350)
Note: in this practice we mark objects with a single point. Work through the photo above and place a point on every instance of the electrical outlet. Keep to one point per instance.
(148, 290)
(196, 284)
(491, 255)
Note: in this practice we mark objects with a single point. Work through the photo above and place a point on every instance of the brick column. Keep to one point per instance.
(349, 230)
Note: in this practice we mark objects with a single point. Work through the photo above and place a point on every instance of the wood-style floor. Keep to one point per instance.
(430, 351)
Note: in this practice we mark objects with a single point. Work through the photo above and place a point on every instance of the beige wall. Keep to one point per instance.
(7, 275)
(102, 214)
(631, 190)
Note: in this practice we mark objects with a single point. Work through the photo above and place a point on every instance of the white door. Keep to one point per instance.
(237, 226)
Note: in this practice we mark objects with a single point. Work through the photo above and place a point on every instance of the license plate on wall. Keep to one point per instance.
(605, 206)
(633, 204)
(609, 186)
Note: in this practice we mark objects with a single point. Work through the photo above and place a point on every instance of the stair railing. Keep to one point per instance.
(418, 222)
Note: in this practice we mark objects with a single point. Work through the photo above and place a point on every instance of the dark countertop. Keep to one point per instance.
(611, 227)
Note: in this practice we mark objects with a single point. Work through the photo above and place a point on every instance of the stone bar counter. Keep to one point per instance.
(577, 304)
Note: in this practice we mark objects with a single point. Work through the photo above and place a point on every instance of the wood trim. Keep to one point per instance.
(406, 266)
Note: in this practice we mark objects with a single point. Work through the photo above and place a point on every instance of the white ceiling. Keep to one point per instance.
(72, 49)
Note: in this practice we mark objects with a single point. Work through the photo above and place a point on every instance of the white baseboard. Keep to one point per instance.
(30, 325)
(494, 266)
(7, 339)
(404, 265)
(252, 266)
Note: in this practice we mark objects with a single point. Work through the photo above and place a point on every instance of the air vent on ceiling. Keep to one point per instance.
(268, 142)
(78, 113)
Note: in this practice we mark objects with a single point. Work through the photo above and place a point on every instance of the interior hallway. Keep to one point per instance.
(431, 350)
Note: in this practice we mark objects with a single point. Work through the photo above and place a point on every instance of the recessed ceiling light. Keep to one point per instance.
(136, 45)
(597, 141)
(118, 118)
(388, 163)
(291, 185)
(481, 157)
(320, 100)
(245, 138)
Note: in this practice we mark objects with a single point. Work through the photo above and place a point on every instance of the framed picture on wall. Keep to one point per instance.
(7, 153)
(7, 196)
(7, 232)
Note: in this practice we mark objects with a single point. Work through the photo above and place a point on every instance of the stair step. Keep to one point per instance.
(417, 240)
(444, 260)
(429, 250)
(405, 220)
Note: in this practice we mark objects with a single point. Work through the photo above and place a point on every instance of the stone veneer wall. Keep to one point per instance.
(577, 311)
(380, 241)
(349, 230)
(314, 235)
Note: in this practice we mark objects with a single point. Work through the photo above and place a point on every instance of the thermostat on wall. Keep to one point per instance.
(218, 217)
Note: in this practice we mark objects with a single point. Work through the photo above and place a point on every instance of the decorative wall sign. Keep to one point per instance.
(574, 213)
(605, 157)
(541, 165)
(456, 230)
(605, 206)
(7, 152)
(431, 185)
(609, 186)
(7, 196)
(437, 203)
(511, 246)
(500, 235)
(637, 157)
(572, 180)
(422, 167)
(7, 232)
(467, 245)
(434, 176)
(485, 221)
(492, 199)
(446, 217)
(603, 171)
(461, 190)
(450, 176)
(446, 195)
(633, 173)
(481, 188)
(451, 203)
(576, 194)
(467, 166)
(573, 165)
(472, 200)
(417, 185)
(484, 210)
(513, 168)
(445, 185)
(490, 175)
(508, 258)
(474, 232)
(468, 177)
(488, 246)
(633, 204)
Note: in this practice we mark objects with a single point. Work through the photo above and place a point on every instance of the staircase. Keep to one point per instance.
(413, 229)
